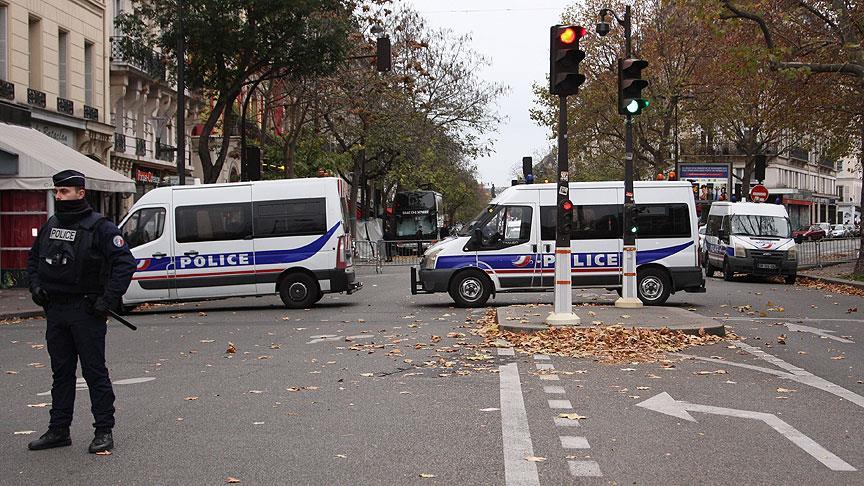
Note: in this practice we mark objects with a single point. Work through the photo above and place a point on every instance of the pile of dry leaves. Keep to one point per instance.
(829, 287)
(609, 344)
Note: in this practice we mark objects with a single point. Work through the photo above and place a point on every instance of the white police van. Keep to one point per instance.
(751, 238)
(511, 246)
(241, 239)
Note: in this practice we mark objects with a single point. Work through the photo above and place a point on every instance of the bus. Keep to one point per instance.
(417, 215)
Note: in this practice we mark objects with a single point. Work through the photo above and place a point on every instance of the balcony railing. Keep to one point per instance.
(91, 113)
(119, 143)
(65, 106)
(799, 153)
(7, 90)
(165, 152)
(140, 146)
(124, 51)
(35, 97)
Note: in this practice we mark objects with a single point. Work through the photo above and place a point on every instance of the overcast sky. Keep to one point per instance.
(514, 36)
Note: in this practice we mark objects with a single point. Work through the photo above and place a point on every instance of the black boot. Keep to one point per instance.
(102, 441)
(52, 438)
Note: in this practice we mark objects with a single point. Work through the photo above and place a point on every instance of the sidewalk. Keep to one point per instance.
(835, 274)
(16, 303)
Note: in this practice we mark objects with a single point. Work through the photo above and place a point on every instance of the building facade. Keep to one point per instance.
(849, 190)
(54, 114)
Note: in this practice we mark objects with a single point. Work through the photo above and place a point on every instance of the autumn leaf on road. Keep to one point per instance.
(38, 405)
(427, 475)
(191, 398)
(781, 339)
(231, 480)
(572, 416)
(231, 348)
(103, 453)
(367, 374)
(535, 459)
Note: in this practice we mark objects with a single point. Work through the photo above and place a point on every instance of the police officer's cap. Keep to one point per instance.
(68, 178)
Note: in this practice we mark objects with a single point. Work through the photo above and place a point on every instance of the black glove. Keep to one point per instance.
(101, 307)
(40, 296)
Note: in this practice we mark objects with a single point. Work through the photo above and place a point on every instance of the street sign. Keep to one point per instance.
(758, 193)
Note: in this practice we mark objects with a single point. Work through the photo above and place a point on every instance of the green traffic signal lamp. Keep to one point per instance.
(635, 106)
(630, 86)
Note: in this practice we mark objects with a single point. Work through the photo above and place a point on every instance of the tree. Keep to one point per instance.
(233, 43)
(814, 38)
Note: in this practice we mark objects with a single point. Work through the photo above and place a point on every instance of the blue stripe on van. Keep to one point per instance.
(648, 256)
(517, 261)
(239, 259)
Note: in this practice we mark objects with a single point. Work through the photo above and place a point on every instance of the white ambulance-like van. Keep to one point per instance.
(287, 237)
(751, 238)
(510, 247)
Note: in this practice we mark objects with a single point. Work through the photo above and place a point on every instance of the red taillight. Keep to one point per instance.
(343, 252)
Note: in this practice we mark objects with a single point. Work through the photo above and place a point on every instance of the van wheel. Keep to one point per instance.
(470, 289)
(790, 279)
(653, 286)
(727, 271)
(299, 291)
(709, 269)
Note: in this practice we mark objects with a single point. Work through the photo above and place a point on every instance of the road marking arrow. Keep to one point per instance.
(664, 403)
(817, 331)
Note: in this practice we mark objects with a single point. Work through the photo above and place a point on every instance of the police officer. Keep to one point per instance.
(79, 268)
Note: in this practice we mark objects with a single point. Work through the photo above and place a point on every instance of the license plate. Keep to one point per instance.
(767, 266)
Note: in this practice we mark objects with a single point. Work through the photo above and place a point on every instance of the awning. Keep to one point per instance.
(40, 157)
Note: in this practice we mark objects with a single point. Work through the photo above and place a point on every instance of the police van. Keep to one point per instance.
(241, 239)
(510, 247)
(751, 238)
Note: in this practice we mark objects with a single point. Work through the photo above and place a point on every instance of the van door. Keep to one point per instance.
(213, 242)
(508, 249)
(149, 237)
(595, 236)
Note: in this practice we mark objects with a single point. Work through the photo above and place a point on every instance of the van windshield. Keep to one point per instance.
(468, 229)
(754, 225)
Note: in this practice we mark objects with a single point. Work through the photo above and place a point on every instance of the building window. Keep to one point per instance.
(3, 42)
(88, 73)
(62, 63)
(35, 58)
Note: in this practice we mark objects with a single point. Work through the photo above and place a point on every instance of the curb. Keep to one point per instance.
(718, 329)
(27, 314)
(831, 280)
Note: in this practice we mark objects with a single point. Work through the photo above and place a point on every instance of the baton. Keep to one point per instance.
(122, 320)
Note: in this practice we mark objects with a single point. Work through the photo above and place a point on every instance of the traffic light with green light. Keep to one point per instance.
(630, 86)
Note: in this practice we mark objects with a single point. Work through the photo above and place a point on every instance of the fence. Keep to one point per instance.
(389, 253)
(826, 252)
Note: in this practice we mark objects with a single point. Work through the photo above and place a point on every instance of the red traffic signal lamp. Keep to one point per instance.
(564, 58)
(630, 86)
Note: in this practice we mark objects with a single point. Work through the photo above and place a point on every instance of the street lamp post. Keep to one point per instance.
(629, 297)
(181, 96)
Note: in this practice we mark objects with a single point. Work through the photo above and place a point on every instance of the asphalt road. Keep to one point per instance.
(324, 397)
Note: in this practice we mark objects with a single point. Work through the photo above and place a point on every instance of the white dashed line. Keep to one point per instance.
(573, 442)
(541, 357)
(565, 422)
(515, 434)
(549, 377)
(506, 352)
(560, 404)
(554, 390)
(544, 366)
(585, 469)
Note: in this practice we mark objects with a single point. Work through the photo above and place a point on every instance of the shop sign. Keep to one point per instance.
(62, 135)
(146, 176)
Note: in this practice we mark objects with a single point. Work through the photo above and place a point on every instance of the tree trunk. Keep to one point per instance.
(289, 151)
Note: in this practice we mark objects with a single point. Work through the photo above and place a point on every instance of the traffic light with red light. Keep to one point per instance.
(564, 58)
(630, 86)
(567, 216)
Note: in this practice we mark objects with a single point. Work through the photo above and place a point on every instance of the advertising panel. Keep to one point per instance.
(711, 181)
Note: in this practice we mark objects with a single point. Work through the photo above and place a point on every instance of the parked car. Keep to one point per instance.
(839, 231)
(813, 232)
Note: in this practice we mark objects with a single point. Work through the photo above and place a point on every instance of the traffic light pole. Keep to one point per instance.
(562, 314)
(181, 97)
(629, 297)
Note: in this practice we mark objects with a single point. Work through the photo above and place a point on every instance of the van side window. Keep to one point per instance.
(295, 217)
(713, 226)
(507, 226)
(144, 226)
(548, 220)
(213, 222)
(596, 222)
(663, 220)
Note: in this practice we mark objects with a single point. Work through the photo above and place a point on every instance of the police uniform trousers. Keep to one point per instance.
(73, 333)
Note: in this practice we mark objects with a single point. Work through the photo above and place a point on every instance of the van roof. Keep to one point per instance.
(600, 184)
(162, 194)
(766, 209)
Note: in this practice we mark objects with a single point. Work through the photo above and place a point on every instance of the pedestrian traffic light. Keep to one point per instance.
(382, 54)
(630, 86)
(528, 169)
(564, 59)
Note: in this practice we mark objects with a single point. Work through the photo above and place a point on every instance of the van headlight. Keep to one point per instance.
(430, 258)
(792, 254)
(740, 251)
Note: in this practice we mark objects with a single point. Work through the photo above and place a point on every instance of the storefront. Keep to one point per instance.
(28, 160)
